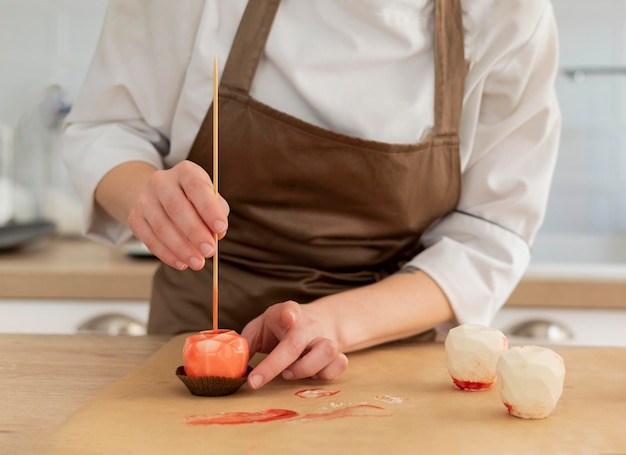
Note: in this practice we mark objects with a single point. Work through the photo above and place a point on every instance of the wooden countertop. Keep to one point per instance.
(45, 378)
(550, 292)
(90, 394)
(76, 268)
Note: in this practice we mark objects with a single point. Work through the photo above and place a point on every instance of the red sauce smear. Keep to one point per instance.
(316, 393)
(509, 407)
(469, 385)
(238, 418)
(270, 415)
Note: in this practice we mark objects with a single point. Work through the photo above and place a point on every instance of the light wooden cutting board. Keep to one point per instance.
(394, 399)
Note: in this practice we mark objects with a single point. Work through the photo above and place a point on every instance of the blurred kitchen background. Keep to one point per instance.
(45, 49)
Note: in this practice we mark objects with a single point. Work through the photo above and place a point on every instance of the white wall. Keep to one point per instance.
(589, 189)
(44, 42)
(51, 41)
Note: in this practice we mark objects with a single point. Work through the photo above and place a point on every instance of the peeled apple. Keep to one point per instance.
(472, 352)
(530, 381)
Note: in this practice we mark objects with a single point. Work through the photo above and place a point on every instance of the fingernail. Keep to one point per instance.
(219, 226)
(181, 265)
(206, 250)
(288, 375)
(292, 315)
(255, 381)
(195, 263)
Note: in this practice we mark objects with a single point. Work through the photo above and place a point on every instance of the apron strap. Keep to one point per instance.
(450, 66)
(249, 44)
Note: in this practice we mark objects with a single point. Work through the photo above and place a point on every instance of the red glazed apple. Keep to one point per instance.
(216, 353)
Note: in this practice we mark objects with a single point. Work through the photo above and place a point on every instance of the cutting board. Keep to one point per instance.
(397, 398)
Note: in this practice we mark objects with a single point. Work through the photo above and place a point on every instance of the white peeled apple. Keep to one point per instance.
(472, 351)
(530, 380)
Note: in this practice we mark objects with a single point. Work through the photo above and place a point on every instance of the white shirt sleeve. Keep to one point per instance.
(126, 106)
(478, 253)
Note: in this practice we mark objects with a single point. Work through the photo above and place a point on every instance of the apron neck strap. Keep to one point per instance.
(249, 44)
(450, 66)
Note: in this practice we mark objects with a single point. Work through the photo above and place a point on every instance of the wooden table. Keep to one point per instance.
(45, 378)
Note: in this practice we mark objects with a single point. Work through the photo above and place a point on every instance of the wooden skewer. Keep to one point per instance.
(215, 167)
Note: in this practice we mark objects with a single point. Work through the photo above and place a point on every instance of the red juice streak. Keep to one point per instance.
(316, 393)
(469, 385)
(360, 410)
(509, 408)
(270, 415)
(238, 418)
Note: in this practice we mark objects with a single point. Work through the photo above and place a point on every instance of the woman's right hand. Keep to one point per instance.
(176, 215)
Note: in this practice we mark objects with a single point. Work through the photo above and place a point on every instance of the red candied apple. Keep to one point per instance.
(216, 353)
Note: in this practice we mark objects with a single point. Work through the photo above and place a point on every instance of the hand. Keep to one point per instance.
(297, 342)
(176, 215)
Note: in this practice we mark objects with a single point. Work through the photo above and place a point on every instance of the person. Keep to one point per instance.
(384, 166)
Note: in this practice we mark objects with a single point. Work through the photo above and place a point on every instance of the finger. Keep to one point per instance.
(286, 352)
(253, 332)
(184, 216)
(226, 210)
(334, 369)
(321, 352)
(163, 231)
(141, 229)
(280, 318)
(266, 330)
(199, 190)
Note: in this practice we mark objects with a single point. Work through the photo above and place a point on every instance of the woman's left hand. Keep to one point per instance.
(297, 342)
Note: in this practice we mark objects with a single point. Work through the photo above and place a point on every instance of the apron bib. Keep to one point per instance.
(313, 212)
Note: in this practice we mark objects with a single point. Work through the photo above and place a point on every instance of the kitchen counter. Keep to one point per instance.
(569, 292)
(54, 396)
(45, 378)
(76, 268)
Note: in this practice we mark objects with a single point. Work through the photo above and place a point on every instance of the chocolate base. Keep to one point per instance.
(211, 386)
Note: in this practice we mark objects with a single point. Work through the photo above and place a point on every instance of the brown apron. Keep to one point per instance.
(313, 212)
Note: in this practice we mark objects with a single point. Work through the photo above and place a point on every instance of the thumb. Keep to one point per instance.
(281, 317)
(264, 331)
(289, 314)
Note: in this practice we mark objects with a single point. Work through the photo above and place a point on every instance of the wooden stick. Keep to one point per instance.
(215, 168)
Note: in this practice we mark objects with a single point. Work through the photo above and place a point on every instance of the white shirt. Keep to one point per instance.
(359, 67)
